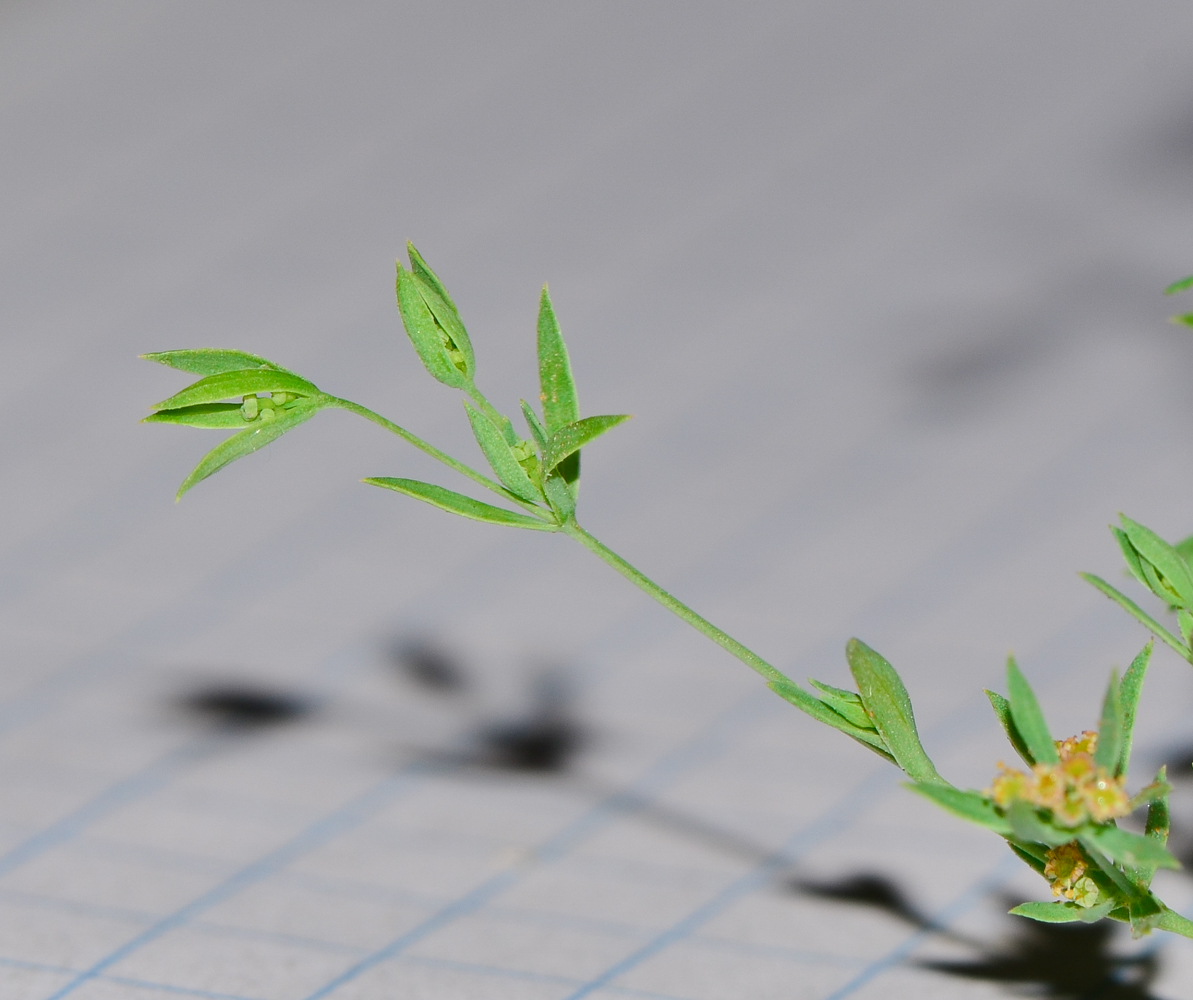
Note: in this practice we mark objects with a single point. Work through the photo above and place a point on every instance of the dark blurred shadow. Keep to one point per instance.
(546, 738)
(244, 706)
(1180, 764)
(428, 666)
(877, 892)
(1061, 962)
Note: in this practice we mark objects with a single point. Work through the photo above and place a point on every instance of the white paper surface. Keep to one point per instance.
(880, 284)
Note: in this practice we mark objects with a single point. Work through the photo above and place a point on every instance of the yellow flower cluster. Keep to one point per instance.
(1065, 870)
(1075, 789)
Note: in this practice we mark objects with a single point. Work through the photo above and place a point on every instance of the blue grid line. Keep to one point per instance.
(815, 832)
(999, 521)
(347, 816)
(674, 764)
(18, 963)
(966, 901)
(775, 951)
(828, 823)
(136, 786)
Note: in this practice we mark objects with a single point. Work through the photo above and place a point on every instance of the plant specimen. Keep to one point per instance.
(1058, 814)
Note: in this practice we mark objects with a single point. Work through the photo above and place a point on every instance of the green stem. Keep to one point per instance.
(435, 453)
(676, 607)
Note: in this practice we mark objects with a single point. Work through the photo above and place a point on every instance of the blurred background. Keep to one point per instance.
(880, 283)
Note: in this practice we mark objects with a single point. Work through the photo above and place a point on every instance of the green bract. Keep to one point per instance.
(1059, 816)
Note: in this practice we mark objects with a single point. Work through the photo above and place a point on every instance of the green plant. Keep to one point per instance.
(1059, 816)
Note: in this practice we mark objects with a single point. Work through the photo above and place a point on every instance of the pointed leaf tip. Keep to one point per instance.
(1028, 717)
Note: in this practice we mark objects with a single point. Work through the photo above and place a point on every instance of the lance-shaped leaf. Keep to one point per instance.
(1165, 571)
(1158, 822)
(537, 430)
(972, 806)
(258, 435)
(501, 457)
(457, 503)
(440, 356)
(226, 385)
(1136, 612)
(560, 496)
(1029, 719)
(442, 308)
(213, 416)
(1035, 856)
(211, 360)
(1027, 825)
(1108, 751)
(845, 703)
(888, 705)
(1131, 849)
(1002, 709)
(1155, 791)
(556, 384)
(1063, 912)
(557, 388)
(1128, 696)
(420, 267)
(1179, 286)
(805, 702)
(570, 438)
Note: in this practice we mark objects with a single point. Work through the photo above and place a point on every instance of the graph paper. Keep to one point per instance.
(880, 285)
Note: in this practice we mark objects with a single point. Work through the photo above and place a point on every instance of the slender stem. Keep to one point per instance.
(676, 607)
(435, 453)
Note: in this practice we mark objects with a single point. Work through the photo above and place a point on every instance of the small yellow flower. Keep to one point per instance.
(1105, 797)
(1009, 785)
(1085, 893)
(1049, 786)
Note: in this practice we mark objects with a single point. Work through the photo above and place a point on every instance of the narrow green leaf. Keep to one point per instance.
(559, 496)
(801, 699)
(1179, 286)
(1158, 822)
(1128, 694)
(1175, 583)
(1002, 709)
(430, 341)
(501, 457)
(886, 702)
(972, 806)
(1109, 750)
(1026, 823)
(1172, 921)
(1032, 855)
(1107, 869)
(457, 503)
(211, 360)
(226, 385)
(537, 430)
(422, 269)
(1182, 319)
(1145, 912)
(1134, 566)
(1130, 848)
(570, 438)
(1185, 548)
(1029, 719)
(556, 384)
(1155, 791)
(1062, 912)
(258, 435)
(213, 416)
(845, 703)
(1136, 612)
(449, 321)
